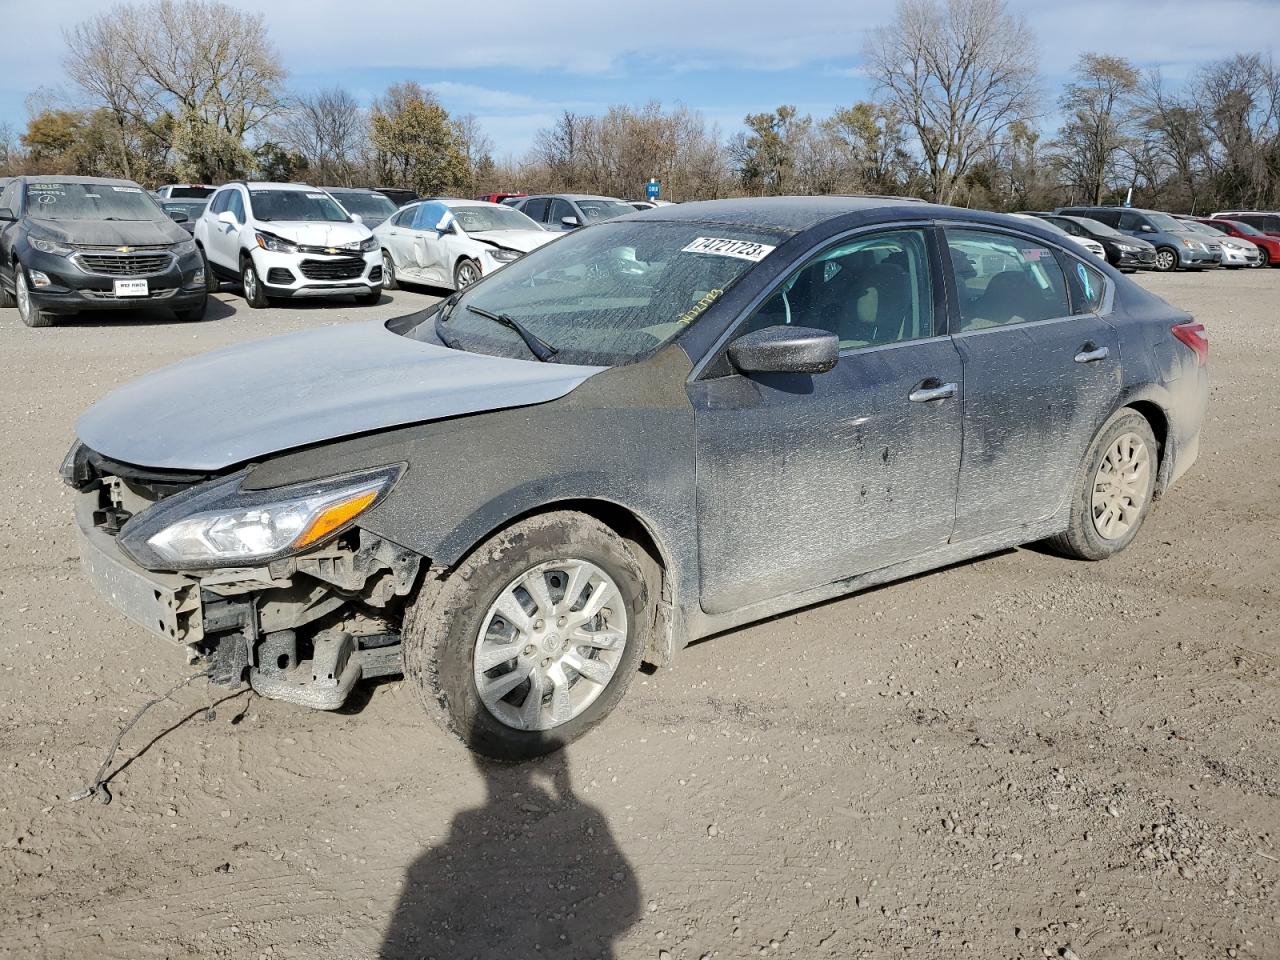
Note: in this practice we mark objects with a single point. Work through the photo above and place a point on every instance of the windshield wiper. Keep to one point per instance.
(537, 346)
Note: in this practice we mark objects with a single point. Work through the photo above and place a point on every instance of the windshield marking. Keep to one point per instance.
(723, 247)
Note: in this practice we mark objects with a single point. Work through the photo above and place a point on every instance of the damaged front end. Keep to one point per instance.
(280, 588)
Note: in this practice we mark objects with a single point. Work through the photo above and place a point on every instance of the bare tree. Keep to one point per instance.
(329, 130)
(1098, 122)
(1239, 99)
(959, 72)
(201, 74)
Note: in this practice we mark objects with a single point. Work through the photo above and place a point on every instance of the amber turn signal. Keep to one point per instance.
(333, 517)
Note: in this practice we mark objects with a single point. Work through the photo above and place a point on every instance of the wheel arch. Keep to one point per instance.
(652, 553)
(1158, 419)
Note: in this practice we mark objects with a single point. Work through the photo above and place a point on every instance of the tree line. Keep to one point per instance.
(193, 90)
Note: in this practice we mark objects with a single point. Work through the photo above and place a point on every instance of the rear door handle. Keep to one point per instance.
(924, 394)
(1091, 354)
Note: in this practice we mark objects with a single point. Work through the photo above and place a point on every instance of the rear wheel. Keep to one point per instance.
(1114, 491)
(533, 639)
(389, 280)
(1166, 259)
(255, 294)
(31, 314)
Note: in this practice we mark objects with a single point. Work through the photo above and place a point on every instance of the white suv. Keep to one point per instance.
(287, 240)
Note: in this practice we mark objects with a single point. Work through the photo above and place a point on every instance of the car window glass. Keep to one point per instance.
(1130, 221)
(1271, 224)
(561, 209)
(869, 291)
(405, 217)
(1003, 279)
(9, 197)
(1092, 285)
(235, 203)
(430, 215)
(536, 209)
(219, 202)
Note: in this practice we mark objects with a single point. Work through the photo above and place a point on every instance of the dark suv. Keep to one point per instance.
(84, 243)
(1176, 246)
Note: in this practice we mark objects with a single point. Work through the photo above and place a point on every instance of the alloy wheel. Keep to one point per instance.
(550, 644)
(1120, 486)
(1166, 260)
(467, 275)
(23, 294)
(250, 280)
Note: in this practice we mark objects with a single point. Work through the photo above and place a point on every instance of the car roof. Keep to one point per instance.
(68, 178)
(574, 196)
(351, 190)
(796, 214)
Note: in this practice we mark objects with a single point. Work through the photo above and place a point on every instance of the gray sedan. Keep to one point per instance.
(653, 429)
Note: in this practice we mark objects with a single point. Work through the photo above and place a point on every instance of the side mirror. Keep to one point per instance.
(571, 221)
(356, 218)
(229, 218)
(177, 216)
(1147, 228)
(7, 215)
(784, 349)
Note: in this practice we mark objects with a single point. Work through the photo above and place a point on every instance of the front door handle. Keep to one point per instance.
(938, 391)
(1092, 354)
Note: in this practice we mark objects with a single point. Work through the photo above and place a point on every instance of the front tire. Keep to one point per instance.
(31, 314)
(1166, 259)
(533, 639)
(211, 282)
(465, 274)
(1114, 490)
(255, 294)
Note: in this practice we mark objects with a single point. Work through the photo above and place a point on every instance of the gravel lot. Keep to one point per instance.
(1022, 756)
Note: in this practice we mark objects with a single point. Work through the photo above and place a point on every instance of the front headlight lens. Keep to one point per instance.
(276, 245)
(504, 256)
(184, 247)
(369, 245)
(241, 535)
(49, 246)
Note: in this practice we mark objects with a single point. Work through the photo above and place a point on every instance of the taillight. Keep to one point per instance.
(1192, 334)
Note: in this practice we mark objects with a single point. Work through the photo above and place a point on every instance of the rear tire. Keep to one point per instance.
(389, 281)
(1166, 259)
(1117, 480)
(452, 619)
(255, 294)
(31, 314)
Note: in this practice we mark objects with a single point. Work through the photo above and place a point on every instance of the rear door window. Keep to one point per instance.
(1004, 279)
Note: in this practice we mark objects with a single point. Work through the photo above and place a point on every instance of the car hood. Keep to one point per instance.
(247, 401)
(110, 233)
(522, 240)
(312, 234)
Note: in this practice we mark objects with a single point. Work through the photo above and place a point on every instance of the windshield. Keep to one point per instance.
(306, 206)
(597, 210)
(1098, 228)
(605, 295)
(1162, 221)
(1247, 229)
(370, 206)
(53, 200)
(192, 208)
(475, 219)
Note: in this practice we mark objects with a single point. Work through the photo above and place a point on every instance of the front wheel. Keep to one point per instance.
(465, 274)
(255, 294)
(30, 314)
(1166, 259)
(533, 639)
(1114, 491)
(389, 279)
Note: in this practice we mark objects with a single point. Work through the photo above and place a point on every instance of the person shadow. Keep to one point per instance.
(532, 872)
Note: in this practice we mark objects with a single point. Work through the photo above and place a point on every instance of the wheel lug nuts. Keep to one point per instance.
(538, 624)
(528, 650)
(562, 621)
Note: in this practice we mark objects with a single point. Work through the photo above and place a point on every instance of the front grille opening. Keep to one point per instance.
(345, 268)
(280, 276)
(125, 265)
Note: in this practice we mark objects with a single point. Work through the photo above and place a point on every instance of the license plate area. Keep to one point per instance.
(131, 288)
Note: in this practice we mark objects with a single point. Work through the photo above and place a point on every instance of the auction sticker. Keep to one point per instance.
(720, 247)
(127, 189)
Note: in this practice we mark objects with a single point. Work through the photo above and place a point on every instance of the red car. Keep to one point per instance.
(499, 197)
(1268, 243)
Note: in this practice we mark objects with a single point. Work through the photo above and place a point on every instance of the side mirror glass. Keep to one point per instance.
(570, 221)
(7, 215)
(785, 349)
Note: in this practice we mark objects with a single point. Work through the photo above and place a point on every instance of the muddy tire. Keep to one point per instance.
(1114, 490)
(460, 624)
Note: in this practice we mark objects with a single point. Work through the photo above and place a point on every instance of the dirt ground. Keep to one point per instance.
(1022, 756)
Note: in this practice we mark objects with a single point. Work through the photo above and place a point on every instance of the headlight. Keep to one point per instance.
(48, 246)
(276, 245)
(1194, 245)
(505, 256)
(1126, 248)
(237, 526)
(183, 247)
(369, 245)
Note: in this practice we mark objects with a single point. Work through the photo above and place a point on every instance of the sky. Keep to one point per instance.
(518, 65)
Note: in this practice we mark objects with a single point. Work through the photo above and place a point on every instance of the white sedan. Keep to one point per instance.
(453, 243)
